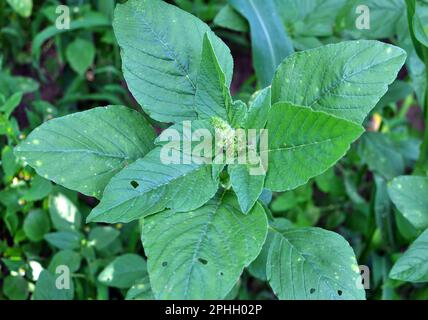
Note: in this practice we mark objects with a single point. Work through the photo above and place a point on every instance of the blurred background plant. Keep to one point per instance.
(46, 72)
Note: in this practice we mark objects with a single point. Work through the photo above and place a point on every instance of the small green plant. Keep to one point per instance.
(204, 222)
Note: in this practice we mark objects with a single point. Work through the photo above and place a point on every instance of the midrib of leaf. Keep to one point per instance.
(312, 265)
(259, 18)
(170, 51)
(421, 260)
(122, 155)
(304, 145)
(201, 238)
(106, 155)
(345, 78)
(134, 198)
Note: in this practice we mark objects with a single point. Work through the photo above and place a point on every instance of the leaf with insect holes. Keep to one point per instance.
(228, 18)
(68, 258)
(151, 185)
(313, 264)
(161, 53)
(303, 144)
(348, 88)
(84, 150)
(201, 254)
(36, 225)
(379, 10)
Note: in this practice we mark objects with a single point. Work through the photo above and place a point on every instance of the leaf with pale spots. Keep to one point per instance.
(151, 185)
(201, 254)
(313, 264)
(303, 144)
(409, 194)
(84, 150)
(161, 54)
(345, 79)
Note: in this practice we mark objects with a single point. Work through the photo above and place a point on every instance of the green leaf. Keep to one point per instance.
(381, 154)
(102, 237)
(140, 290)
(84, 150)
(22, 7)
(123, 271)
(420, 30)
(348, 88)
(259, 109)
(413, 264)
(9, 85)
(303, 144)
(67, 258)
(36, 225)
(46, 288)
(161, 54)
(80, 55)
(65, 240)
(64, 214)
(269, 38)
(8, 162)
(151, 185)
(212, 97)
(409, 194)
(237, 114)
(247, 186)
(380, 11)
(313, 264)
(200, 254)
(10, 105)
(230, 19)
(15, 288)
(258, 267)
(40, 188)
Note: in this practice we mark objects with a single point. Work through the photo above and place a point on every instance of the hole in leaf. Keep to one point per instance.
(134, 184)
(203, 261)
(312, 291)
(339, 292)
(221, 273)
(164, 264)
